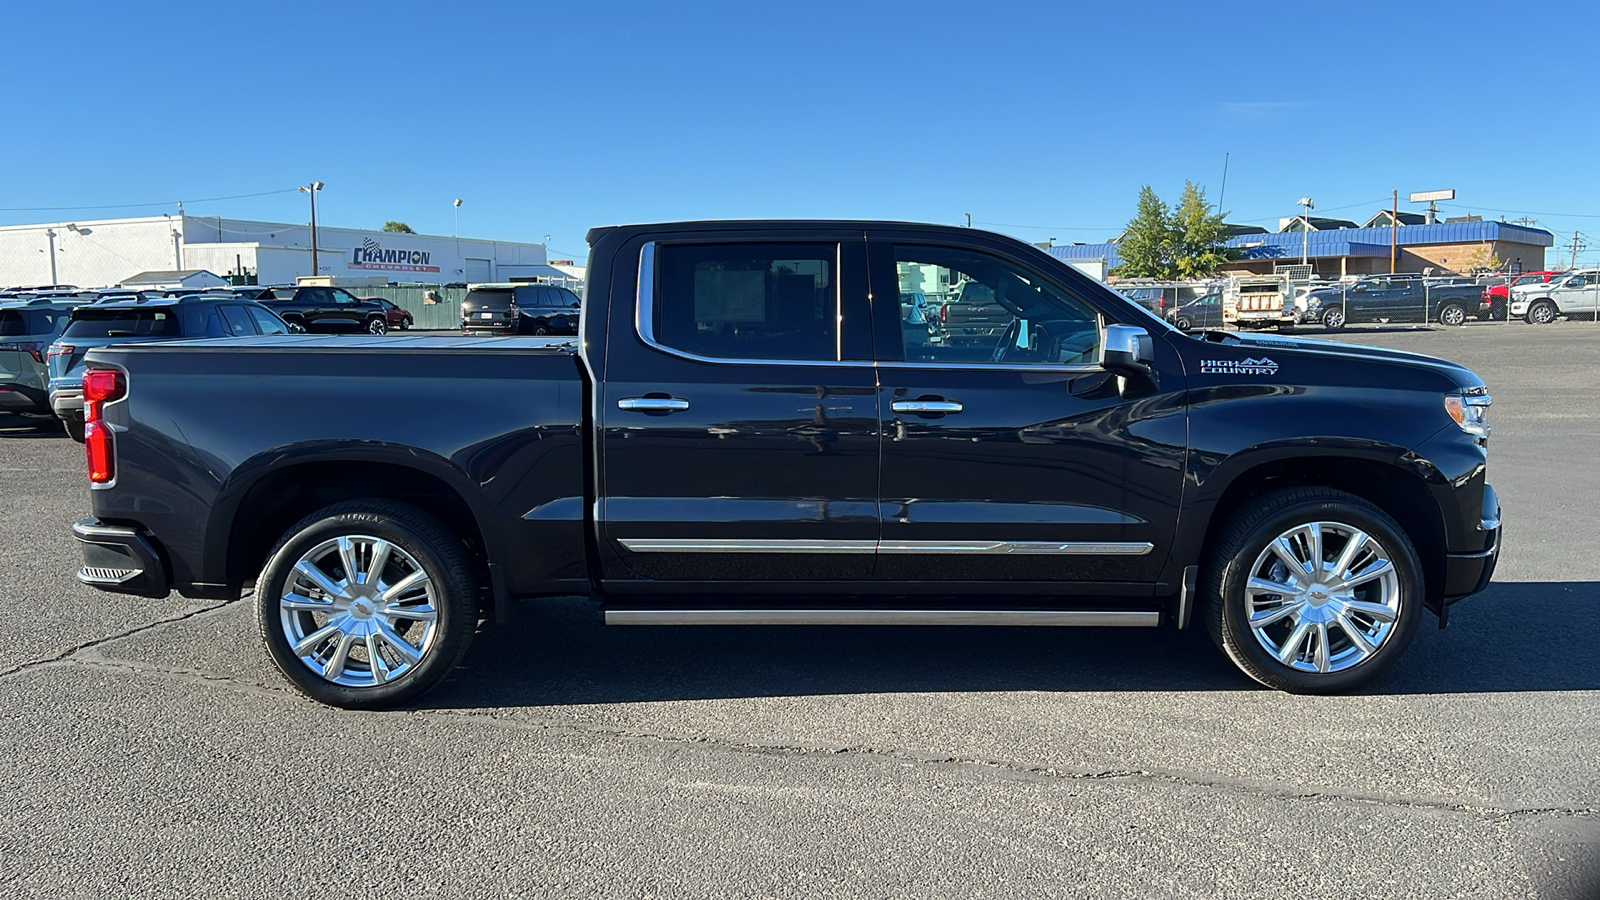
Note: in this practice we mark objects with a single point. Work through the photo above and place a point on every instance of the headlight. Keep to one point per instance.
(1313, 302)
(1471, 412)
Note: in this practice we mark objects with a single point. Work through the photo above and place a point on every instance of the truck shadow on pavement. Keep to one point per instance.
(18, 426)
(1513, 637)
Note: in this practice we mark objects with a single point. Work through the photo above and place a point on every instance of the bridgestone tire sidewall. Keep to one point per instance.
(429, 542)
(1248, 535)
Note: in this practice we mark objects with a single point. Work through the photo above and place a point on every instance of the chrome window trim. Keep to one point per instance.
(1066, 617)
(644, 326)
(743, 545)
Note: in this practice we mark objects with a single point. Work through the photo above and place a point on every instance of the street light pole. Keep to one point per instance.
(1305, 229)
(312, 189)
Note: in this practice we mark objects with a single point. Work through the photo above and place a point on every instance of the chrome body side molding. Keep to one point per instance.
(741, 545)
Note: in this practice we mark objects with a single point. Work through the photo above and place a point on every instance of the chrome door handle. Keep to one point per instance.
(652, 404)
(925, 406)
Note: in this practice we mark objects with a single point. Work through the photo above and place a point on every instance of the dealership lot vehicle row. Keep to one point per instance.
(601, 761)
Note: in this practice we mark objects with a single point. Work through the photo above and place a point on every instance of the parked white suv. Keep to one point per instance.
(1575, 293)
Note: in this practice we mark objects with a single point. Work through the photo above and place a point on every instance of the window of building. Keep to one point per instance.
(748, 301)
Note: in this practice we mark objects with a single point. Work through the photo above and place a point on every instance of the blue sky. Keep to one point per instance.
(1041, 120)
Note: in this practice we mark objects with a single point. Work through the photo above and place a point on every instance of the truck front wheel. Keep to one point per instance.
(1313, 590)
(1541, 313)
(366, 604)
(1333, 318)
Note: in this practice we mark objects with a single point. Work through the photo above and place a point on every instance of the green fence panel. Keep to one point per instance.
(445, 315)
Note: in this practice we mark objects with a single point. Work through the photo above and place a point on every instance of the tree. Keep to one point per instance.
(397, 227)
(1147, 244)
(1198, 250)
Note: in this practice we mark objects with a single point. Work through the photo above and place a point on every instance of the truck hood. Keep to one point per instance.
(1460, 375)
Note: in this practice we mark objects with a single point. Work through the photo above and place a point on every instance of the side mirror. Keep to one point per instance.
(1128, 350)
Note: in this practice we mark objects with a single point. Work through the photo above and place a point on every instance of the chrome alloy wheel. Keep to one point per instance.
(1322, 597)
(359, 611)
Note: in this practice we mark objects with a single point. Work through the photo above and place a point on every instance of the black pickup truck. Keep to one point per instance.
(747, 432)
(1394, 298)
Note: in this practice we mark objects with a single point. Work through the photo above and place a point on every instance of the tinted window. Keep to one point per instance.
(1000, 313)
(104, 323)
(751, 301)
(43, 320)
(238, 320)
(567, 298)
(481, 299)
(342, 296)
(267, 322)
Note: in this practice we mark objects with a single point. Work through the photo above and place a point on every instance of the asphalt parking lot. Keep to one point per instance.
(151, 751)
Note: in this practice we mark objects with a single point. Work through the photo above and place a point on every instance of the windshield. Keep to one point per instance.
(111, 323)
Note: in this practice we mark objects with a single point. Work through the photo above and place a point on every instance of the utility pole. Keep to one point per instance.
(1576, 246)
(969, 220)
(1394, 230)
(1305, 228)
(312, 189)
(50, 233)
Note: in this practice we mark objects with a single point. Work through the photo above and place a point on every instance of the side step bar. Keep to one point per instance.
(1101, 618)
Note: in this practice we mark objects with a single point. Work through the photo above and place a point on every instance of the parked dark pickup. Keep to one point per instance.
(749, 432)
(1393, 298)
(326, 310)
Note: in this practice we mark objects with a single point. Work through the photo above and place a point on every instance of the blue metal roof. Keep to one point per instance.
(1356, 242)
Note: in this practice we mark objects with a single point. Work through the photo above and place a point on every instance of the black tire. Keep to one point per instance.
(1333, 318)
(1183, 323)
(1542, 312)
(1233, 554)
(540, 329)
(74, 429)
(1453, 315)
(376, 325)
(429, 542)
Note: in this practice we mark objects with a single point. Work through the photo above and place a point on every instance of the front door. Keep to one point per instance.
(739, 417)
(1009, 456)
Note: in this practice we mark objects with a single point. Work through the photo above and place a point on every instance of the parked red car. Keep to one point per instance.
(1495, 296)
(398, 318)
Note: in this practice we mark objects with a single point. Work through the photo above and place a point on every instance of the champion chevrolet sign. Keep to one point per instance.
(371, 255)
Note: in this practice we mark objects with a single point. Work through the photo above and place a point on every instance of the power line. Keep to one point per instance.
(139, 205)
(1525, 212)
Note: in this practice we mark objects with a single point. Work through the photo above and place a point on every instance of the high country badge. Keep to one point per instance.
(1262, 366)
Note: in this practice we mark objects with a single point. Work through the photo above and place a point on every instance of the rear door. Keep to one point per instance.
(1011, 460)
(738, 414)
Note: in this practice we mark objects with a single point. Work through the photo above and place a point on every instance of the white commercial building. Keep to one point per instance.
(107, 252)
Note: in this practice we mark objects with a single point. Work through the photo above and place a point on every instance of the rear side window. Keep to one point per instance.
(115, 323)
(751, 301)
(34, 322)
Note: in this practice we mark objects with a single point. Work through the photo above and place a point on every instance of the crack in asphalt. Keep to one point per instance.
(66, 656)
(80, 655)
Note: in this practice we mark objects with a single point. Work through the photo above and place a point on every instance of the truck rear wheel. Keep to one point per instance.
(366, 604)
(1453, 314)
(1313, 591)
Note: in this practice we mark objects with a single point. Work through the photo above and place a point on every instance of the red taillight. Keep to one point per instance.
(30, 349)
(100, 386)
(944, 313)
(61, 350)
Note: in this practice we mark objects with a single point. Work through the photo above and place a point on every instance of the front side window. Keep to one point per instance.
(238, 320)
(995, 312)
(266, 321)
(748, 301)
